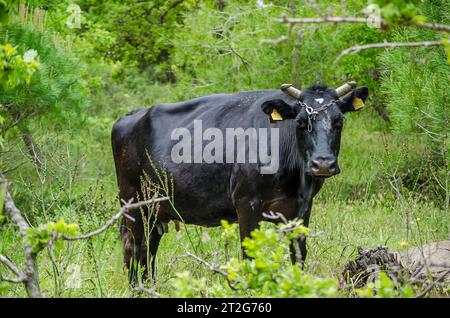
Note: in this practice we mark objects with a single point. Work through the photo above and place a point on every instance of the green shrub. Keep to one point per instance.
(269, 272)
(384, 287)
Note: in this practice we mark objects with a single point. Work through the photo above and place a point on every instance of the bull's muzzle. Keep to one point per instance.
(324, 167)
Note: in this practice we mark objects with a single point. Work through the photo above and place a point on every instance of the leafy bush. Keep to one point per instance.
(384, 287)
(135, 32)
(16, 69)
(50, 233)
(269, 272)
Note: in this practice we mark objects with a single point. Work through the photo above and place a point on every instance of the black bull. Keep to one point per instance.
(205, 193)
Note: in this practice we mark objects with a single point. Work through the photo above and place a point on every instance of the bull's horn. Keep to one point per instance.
(291, 90)
(346, 88)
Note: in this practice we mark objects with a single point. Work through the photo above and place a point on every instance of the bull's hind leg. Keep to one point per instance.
(149, 247)
(132, 234)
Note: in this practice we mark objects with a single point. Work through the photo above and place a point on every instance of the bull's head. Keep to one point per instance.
(319, 114)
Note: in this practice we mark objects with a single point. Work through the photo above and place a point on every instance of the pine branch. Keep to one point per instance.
(171, 7)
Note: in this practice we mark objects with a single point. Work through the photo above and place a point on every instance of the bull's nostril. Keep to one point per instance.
(324, 167)
(315, 165)
(332, 164)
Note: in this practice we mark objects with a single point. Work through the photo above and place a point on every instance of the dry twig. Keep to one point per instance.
(128, 206)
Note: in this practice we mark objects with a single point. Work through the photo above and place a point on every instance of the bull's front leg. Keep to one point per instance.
(299, 246)
(248, 219)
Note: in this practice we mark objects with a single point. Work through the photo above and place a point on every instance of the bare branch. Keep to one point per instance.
(275, 216)
(151, 292)
(276, 41)
(325, 19)
(15, 215)
(16, 280)
(210, 266)
(128, 206)
(13, 267)
(30, 277)
(433, 284)
(432, 26)
(358, 48)
(383, 25)
(241, 58)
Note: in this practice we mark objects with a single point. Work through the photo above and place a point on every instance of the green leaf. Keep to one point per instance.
(419, 19)
(60, 226)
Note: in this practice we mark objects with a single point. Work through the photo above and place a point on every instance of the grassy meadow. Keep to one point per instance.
(393, 189)
(362, 206)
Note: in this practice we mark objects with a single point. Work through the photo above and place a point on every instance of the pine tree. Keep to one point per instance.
(56, 87)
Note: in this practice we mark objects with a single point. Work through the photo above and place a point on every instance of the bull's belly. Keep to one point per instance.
(205, 213)
(201, 195)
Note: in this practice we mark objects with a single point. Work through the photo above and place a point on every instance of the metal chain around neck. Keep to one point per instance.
(312, 112)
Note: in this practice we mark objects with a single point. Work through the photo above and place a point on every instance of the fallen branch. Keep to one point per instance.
(358, 48)
(433, 284)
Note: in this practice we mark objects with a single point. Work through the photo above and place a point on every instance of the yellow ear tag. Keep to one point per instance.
(275, 116)
(357, 103)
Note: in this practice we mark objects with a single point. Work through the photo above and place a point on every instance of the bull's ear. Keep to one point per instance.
(278, 110)
(355, 100)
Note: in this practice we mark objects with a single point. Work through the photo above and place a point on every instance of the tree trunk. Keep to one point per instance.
(33, 148)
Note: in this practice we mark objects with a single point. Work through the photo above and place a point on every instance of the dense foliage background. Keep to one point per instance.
(73, 67)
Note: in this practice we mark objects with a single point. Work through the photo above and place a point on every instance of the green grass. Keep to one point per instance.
(359, 207)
